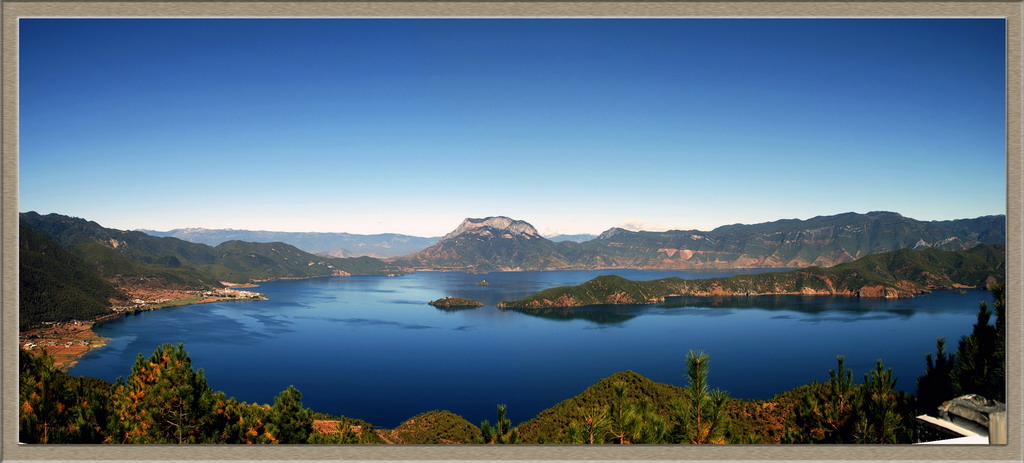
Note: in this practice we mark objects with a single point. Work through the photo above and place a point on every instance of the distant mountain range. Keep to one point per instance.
(328, 244)
(894, 274)
(575, 238)
(72, 268)
(503, 244)
(128, 254)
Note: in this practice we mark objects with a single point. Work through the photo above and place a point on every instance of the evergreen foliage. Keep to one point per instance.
(883, 414)
(55, 285)
(289, 422)
(55, 408)
(977, 367)
(502, 433)
(702, 418)
(592, 428)
(164, 401)
(841, 412)
(825, 412)
(936, 385)
(246, 423)
(552, 425)
(634, 422)
(437, 427)
(980, 363)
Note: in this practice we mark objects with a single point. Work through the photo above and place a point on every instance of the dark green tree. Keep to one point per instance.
(882, 414)
(502, 432)
(592, 428)
(55, 408)
(486, 432)
(980, 366)
(245, 423)
(289, 422)
(164, 401)
(936, 385)
(825, 412)
(633, 422)
(702, 417)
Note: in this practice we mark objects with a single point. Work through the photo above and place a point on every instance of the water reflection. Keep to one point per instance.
(600, 314)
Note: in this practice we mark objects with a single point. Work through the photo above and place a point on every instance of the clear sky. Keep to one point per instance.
(576, 126)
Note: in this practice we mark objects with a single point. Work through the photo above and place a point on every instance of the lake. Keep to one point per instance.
(371, 348)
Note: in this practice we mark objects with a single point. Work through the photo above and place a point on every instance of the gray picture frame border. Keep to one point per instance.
(11, 450)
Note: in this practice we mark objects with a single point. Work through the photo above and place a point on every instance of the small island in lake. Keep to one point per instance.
(455, 303)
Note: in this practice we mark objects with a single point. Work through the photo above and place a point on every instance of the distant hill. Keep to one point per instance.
(329, 244)
(821, 241)
(55, 285)
(501, 243)
(893, 274)
(171, 262)
(574, 238)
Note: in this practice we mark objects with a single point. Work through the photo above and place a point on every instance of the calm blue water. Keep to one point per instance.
(371, 348)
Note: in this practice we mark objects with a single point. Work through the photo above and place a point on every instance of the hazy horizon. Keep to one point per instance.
(409, 126)
(632, 226)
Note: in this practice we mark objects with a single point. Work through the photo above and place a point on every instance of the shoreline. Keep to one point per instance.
(69, 341)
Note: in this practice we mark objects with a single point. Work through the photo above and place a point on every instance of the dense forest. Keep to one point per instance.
(170, 261)
(167, 400)
(56, 285)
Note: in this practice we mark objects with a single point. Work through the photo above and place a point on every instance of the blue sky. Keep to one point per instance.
(576, 126)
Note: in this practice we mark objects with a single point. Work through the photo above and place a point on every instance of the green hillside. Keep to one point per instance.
(130, 255)
(435, 427)
(55, 285)
(551, 425)
(893, 274)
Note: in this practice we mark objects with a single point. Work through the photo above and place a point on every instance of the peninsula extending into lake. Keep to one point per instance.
(897, 274)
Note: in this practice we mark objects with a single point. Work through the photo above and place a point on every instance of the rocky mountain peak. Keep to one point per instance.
(505, 224)
(610, 233)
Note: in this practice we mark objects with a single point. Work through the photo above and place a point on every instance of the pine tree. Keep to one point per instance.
(289, 422)
(880, 415)
(837, 409)
(980, 364)
(55, 408)
(486, 432)
(621, 419)
(592, 428)
(936, 385)
(164, 401)
(246, 423)
(502, 433)
(702, 417)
